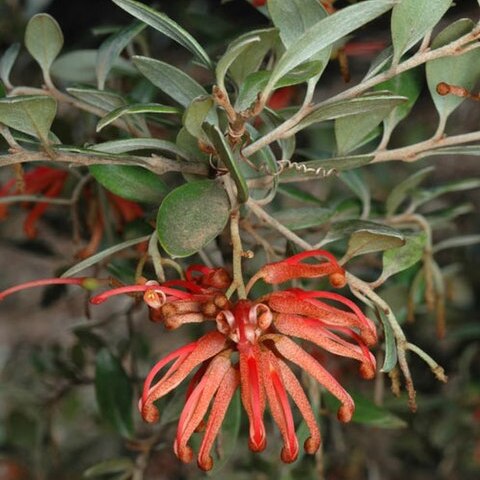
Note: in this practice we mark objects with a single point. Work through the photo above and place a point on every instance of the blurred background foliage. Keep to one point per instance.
(52, 427)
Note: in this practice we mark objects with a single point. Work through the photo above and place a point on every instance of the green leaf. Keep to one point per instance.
(44, 40)
(367, 413)
(412, 20)
(299, 194)
(367, 105)
(321, 168)
(351, 130)
(134, 144)
(79, 66)
(473, 150)
(371, 237)
(231, 161)
(324, 34)
(114, 392)
(191, 216)
(407, 84)
(100, 256)
(404, 188)
(303, 217)
(114, 465)
(256, 81)
(109, 101)
(293, 18)
(7, 61)
(232, 53)
(195, 116)
(398, 259)
(111, 48)
(164, 24)
(135, 109)
(229, 434)
(273, 120)
(357, 185)
(423, 196)
(131, 182)
(31, 114)
(391, 356)
(379, 63)
(461, 70)
(171, 80)
(251, 58)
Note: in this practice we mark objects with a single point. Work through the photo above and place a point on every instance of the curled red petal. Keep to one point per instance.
(197, 405)
(203, 349)
(279, 405)
(220, 405)
(291, 351)
(295, 390)
(314, 331)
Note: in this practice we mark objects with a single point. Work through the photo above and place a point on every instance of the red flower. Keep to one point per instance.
(250, 350)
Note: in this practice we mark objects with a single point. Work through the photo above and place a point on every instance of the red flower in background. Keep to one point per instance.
(50, 182)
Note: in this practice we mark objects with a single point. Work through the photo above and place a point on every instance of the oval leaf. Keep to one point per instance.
(44, 40)
(191, 216)
(399, 259)
(130, 182)
(303, 217)
(33, 114)
(461, 70)
(171, 80)
(412, 20)
(111, 48)
(195, 115)
(164, 24)
(114, 392)
(369, 237)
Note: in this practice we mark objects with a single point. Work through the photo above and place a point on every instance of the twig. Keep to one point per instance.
(157, 164)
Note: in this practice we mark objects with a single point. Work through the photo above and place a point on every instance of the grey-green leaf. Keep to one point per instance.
(29, 114)
(171, 80)
(44, 40)
(376, 104)
(391, 356)
(461, 70)
(191, 216)
(161, 22)
(303, 217)
(412, 20)
(251, 57)
(135, 109)
(407, 84)
(7, 61)
(195, 116)
(398, 259)
(231, 161)
(351, 130)
(358, 186)
(404, 188)
(232, 53)
(114, 392)
(324, 34)
(134, 144)
(456, 242)
(111, 48)
(423, 196)
(79, 66)
(130, 182)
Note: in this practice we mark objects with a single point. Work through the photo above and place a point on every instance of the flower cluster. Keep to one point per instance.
(251, 349)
